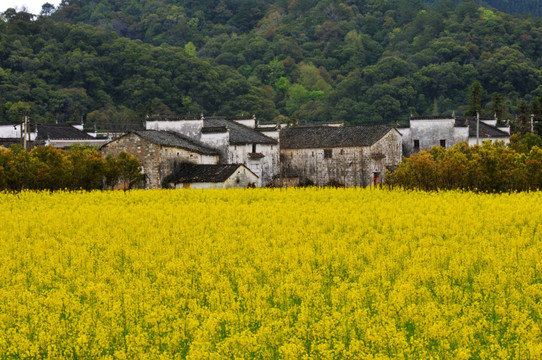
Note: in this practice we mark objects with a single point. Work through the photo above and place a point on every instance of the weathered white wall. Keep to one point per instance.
(309, 165)
(350, 166)
(201, 185)
(429, 132)
(407, 144)
(14, 131)
(505, 129)
(188, 128)
(273, 134)
(218, 141)
(241, 178)
(266, 168)
(492, 122)
(183, 155)
(251, 123)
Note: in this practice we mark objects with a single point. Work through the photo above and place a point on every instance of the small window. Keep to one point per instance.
(177, 153)
(313, 154)
(327, 153)
(253, 148)
(416, 144)
(342, 151)
(443, 143)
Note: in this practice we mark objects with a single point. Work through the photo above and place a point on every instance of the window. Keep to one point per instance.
(253, 148)
(443, 143)
(342, 151)
(327, 153)
(416, 144)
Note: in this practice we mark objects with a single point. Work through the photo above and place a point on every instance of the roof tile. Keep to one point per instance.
(170, 138)
(330, 137)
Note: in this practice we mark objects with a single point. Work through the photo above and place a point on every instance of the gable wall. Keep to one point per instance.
(429, 132)
(146, 152)
(266, 168)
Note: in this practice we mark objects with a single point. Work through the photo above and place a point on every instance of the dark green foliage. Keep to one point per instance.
(532, 7)
(111, 62)
(475, 100)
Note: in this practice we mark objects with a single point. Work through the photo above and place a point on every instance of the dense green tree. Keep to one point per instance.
(374, 61)
(475, 100)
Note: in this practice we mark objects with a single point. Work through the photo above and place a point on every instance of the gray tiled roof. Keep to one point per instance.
(486, 131)
(435, 117)
(61, 132)
(329, 137)
(194, 173)
(169, 138)
(239, 134)
(211, 130)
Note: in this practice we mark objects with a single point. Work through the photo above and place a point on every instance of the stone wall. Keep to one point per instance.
(348, 166)
(157, 161)
(146, 152)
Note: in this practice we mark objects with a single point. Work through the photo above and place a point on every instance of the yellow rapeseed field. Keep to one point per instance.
(270, 274)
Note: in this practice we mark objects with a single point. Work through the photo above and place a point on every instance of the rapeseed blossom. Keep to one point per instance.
(270, 274)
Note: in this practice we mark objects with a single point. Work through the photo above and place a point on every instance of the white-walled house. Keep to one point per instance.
(349, 156)
(55, 135)
(426, 132)
(161, 153)
(238, 140)
(219, 176)
(65, 135)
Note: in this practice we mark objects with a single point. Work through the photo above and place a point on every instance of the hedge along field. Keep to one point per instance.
(270, 274)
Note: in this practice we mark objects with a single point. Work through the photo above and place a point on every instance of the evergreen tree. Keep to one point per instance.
(475, 100)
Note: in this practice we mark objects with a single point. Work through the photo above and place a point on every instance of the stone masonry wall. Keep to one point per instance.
(146, 152)
(157, 161)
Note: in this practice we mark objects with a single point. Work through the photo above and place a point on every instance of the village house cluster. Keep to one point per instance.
(220, 152)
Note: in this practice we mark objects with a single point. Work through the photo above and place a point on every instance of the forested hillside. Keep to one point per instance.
(364, 61)
(528, 7)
